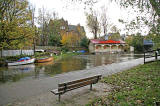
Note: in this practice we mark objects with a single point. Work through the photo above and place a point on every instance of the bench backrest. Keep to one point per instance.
(68, 86)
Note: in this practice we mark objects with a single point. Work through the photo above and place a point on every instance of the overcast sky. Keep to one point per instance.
(75, 12)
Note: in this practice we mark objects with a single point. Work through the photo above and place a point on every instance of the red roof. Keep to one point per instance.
(109, 41)
(95, 41)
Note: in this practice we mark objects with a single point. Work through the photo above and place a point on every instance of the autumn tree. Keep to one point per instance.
(93, 23)
(70, 39)
(15, 24)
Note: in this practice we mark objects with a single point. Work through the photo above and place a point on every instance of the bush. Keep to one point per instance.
(84, 42)
(64, 49)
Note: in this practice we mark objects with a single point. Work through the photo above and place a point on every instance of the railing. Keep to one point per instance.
(151, 53)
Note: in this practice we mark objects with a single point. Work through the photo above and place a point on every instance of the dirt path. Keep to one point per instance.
(78, 97)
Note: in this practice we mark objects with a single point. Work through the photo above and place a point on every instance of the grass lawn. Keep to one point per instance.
(137, 86)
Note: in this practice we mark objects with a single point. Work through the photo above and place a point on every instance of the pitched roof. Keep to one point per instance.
(109, 41)
(96, 41)
(72, 28)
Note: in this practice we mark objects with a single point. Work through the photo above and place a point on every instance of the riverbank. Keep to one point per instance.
(37, 55)
(137, 86)
(37, 92)
(63, 55)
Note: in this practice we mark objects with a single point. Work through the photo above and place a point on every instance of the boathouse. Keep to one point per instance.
(107, 46)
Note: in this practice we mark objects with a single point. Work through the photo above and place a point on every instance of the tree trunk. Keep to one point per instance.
(95, 33)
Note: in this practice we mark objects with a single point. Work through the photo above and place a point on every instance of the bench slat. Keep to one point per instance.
(87, 82)
(76, 81)
(79, 85)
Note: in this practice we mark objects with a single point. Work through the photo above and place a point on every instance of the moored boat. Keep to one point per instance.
(42, 60)
(22, 61)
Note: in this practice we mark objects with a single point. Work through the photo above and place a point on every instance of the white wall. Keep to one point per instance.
(16, 52)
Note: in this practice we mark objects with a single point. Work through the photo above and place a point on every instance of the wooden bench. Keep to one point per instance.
(71, 85)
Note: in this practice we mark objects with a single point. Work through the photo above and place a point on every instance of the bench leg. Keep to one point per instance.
(59, 97)
(91, 87)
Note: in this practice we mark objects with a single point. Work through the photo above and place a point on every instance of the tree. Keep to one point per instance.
(152, 6)
(54, 32)
(114, 29)
(129, 40)
(43, 20)
(15, 24)
(142, 4)
(146, 5)
(32, 10)
(154, 38)
(104, 20)
(84, 42)
(137, 42)
(93, 23)
(70, 39)
(115, 36)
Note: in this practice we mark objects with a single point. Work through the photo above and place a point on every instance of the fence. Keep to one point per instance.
(5, 53)
(46, 47)
(152, 53)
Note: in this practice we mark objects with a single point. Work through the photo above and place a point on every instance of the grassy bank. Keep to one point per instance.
(137, 86)
(63, 55)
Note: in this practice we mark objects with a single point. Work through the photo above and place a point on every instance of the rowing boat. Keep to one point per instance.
(22, 62)
(42, 60)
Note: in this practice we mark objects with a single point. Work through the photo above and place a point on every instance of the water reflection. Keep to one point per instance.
(15, 73)
(42, 70)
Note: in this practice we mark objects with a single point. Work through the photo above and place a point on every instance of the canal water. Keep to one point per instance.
(50, 69)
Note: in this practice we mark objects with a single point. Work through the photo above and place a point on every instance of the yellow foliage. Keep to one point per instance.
(70, 39)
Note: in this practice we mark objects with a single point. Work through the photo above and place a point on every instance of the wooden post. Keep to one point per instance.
(59, 97)
(156, 55)
(91, 87)
(21, 52)
(34, 46)
(144, 57)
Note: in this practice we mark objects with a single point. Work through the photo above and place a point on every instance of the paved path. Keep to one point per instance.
(22, 90)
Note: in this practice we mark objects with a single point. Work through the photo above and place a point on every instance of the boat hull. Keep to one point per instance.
(22, 62)
(44, 60)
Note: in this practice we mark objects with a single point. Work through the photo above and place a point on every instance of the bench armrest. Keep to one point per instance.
(55, 91)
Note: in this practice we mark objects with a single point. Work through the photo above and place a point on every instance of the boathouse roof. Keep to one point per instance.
(97, 41)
